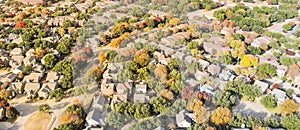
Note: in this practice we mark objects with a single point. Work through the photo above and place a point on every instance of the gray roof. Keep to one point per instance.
(181, 116)
(140, 98)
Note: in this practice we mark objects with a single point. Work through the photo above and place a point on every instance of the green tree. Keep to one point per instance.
(290, 122)
(220, 14)
(64, 46)
(58, 94)
(224, 99)
(27, 69)
(254, 50)
(115, 119)
(268, 69)
(268, 101)
(50, 61)
(287, 61)
(270, 122)
(44, 108)
(160, 105)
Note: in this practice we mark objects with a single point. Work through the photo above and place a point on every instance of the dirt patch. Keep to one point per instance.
(37, 121)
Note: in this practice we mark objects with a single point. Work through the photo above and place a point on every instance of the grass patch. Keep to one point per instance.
(37, 121)
(275, 110)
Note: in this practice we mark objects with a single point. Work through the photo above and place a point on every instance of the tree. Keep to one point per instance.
(64, 46)
(220, 14)
(49, 61)
(116, 119)
(221, 116)
(174, 21)
(68, 126)
(102, 57)
(27, 69)
(192, 45)
(289, 106)
(119, 29)
(267, 69)
(224, 99)
(67, 23)
(225, 59)
(290, 122)
(270, 122)
(161, 73)
(20, 24)
(254, 50)
(58, 94)
(159, 104)
(268, 101)
(142, 58)
(44, 108)
(249, 60)
(287, 61)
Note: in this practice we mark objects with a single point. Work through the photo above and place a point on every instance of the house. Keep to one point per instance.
(262, 40)
(207, 89)
(214, 48)
(32, 2)
(280, 95)
(191, 82)
(114, 67)
(107, 89)
(182, 120)
(17, 59)
(95, 118)
(225, 75)
(17, 87)
(119, 98)
(29, 60)
(203, 63)
(200, 75)
(188, 59)
(17, 70)
(52, 77)
(261, 85)
(33, 77)
(140, 98)
(125, 87)
(178, 55)
(99, 103)
(141, 87)
(38, 68)
(240, 129)
(16, 52)
(46, 89)
(227, 30)
(213, 69)
(9, 78)
(31, 88)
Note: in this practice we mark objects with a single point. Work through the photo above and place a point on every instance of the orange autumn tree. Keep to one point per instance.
(20, 24)
(221, 116)
(102, 57)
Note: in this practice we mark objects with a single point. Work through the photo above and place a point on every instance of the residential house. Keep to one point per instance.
(31, 89)
(203, 63)
(141, 98)
(227, 30)
(29, 60)
(214, 48)
(280, 95)
(17, 40)
(141, 87)
(214, 69)
(32, 2)
(191, 82)
(225, 75)
(178, 55)
(52, 77)
(240, 129)
(114, 67)
(33, 77)
(38, 68)
(95, 118)
(200, 75)
(17, 70)
(120, 98)
(262, 40)
(188, 59)
(182, 120)
(124, 88)
(46, 89)
(107, 89)
(261, 85)
(9, 78)
(2, 114)
(17, 87)
(17, 60)
(16, 52)
(99, 103)
(207, 89)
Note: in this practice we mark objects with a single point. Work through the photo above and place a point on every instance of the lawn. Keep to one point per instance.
(37, 121)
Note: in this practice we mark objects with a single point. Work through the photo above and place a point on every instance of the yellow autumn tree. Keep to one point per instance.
(238, 46)
(174, 21)
(221, 116)
(167, 94)
(142, 57)
(249, 61)
(102, 57)
(161, 72)
(289, 106)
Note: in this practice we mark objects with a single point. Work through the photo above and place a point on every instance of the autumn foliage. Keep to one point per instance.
(20, 24)
(221, 116)
(249, 60)
(289, 106)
